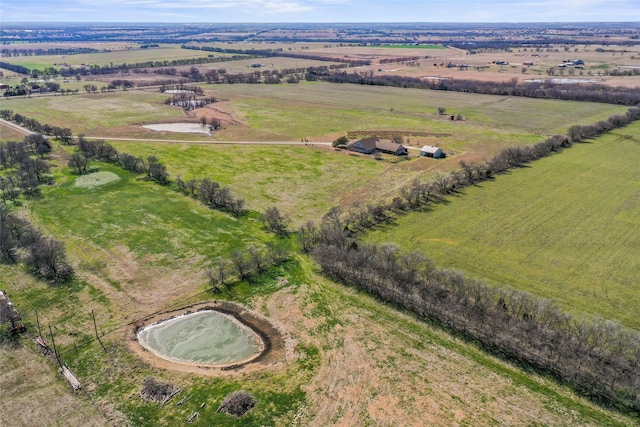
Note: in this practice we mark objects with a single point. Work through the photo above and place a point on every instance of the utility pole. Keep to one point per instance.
(55, 350)
(95, 327)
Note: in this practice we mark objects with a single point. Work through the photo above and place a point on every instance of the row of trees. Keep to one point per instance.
(599, 358)
(244, 264)
(102, 151)
(211, 194)
(7, 52)
(62, 134)
(24, 173)
(545, 90)
(207, 191)
(45, 257)
(269, 53)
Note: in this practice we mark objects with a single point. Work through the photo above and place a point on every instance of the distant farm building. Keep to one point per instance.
(431, 151)
(372, 144)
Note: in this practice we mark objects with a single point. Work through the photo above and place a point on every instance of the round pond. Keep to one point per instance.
(179, 128)
(205, 337)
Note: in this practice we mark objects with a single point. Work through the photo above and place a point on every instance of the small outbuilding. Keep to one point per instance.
(431, 151)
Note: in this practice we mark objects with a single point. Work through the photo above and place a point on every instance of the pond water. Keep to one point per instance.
(562, 81)
(179, 127)
(205, 337)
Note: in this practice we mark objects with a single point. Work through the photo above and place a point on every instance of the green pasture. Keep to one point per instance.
(148, 219)
(323, 110)
(93, 114)
(301, 180)
(311, 109)
(566, 228)
(414, 361)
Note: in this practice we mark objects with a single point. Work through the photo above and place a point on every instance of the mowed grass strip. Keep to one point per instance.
(566, 227)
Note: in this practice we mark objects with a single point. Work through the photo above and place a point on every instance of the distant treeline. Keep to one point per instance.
(51, 51)
(537, 43)
(269, 53)
(599, 358)
(545, 90)
(15, 68)
(117, 68)
(62, 134)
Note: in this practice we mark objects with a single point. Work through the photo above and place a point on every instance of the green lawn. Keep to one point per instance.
(566, 227)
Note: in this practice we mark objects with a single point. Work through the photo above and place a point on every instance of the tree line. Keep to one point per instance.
(63, 134)
(270, 53)
(45, 257)
(15, 68)
(545, 89)
(599, 358)
(50, 51)
(24, 171)
(208, 192)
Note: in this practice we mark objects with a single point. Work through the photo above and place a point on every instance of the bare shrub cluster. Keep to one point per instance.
(155, 390)
(211, 194)
(237, 403)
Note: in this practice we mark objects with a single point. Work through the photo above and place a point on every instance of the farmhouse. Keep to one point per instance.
(373, 144)
(431, 151)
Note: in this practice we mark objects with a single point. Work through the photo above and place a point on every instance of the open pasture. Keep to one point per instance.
(563, 228)
(302, 181)
(320, 107)
(323, 111)
(100, 113)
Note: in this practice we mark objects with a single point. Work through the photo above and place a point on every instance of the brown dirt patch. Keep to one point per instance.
(274, 339)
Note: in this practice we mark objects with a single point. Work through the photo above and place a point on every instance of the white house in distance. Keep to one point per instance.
(431, 151)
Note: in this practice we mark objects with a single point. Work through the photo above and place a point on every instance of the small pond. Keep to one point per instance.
(562, 81)
(205, 337)
(179, 127)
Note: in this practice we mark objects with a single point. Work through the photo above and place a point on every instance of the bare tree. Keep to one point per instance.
(79, 163)
(276, 221)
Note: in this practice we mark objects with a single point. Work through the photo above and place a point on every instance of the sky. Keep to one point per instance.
(268, 11)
